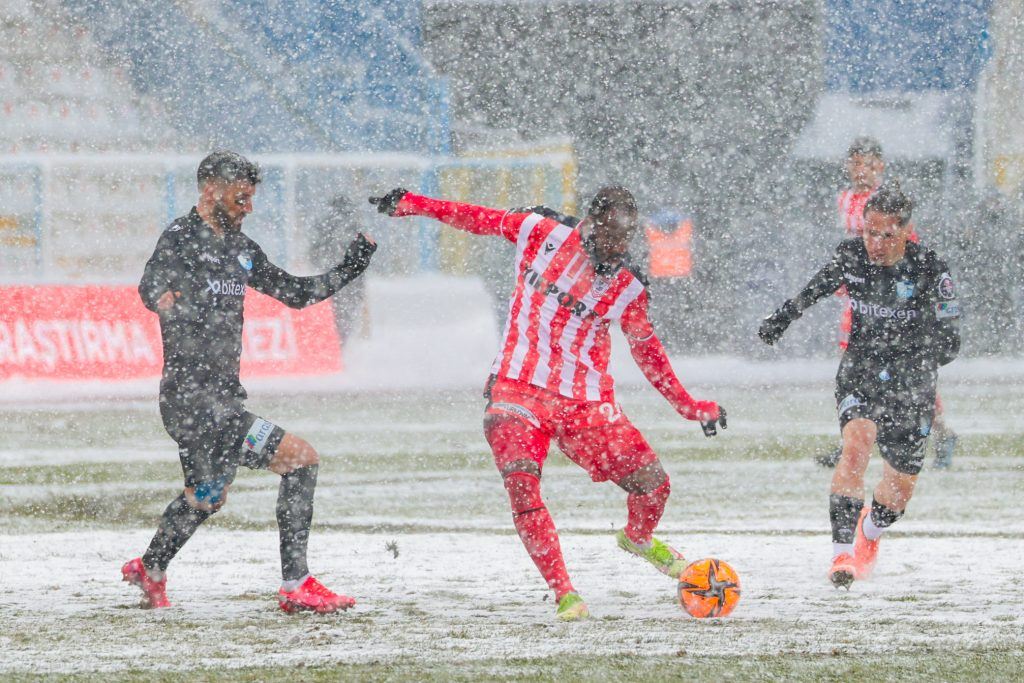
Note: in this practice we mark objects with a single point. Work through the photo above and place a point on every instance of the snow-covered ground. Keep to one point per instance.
(85, 471)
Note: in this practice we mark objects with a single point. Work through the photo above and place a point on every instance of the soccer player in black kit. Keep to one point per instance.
(905, 325)
(196, 281)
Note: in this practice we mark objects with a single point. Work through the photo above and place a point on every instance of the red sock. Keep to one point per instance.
(645, 512)
(537, 530)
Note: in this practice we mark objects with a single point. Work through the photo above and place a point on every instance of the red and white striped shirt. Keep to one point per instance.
(557, 329)
(851, 211)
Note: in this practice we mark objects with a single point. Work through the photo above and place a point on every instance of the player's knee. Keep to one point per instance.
(647, 480)
(208, 496)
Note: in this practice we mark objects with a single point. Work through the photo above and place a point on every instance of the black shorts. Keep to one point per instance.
(902, 406)
(214, 439)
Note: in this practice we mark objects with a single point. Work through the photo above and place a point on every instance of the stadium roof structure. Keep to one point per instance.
(911, 126)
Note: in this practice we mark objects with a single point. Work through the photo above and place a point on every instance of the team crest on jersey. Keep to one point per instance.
(245, 260)
(600, 286)
(905, 289)
(946, 288)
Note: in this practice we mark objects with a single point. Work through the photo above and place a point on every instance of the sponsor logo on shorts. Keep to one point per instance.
(947, 309)
(850, 401)
(946, 288)
(256, 438)
(518, 411)
(887, 312)
(226, 287)
(905, 289)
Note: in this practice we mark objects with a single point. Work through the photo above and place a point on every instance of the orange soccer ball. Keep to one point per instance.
(709, 588)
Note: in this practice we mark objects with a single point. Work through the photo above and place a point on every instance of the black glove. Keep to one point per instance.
(389, 202)
(357, 256)
(774, 326)
(710, 427)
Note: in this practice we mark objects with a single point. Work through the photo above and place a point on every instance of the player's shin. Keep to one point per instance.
(294, 518)
(843, 512)
(178, 523)
(537, 530)
(644, 513)
(880, 519)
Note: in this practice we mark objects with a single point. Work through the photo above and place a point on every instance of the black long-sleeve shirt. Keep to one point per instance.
(906, 315)
(202, 332)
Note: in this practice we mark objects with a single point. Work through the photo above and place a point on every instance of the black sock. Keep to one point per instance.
(294, 517)
(882, 516)
(843, 511)
(177, 525)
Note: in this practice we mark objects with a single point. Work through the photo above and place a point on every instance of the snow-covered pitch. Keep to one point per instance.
(412, 520)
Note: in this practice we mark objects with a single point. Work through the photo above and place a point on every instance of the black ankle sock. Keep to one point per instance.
(294, 517)
(843, 512)
(882, 516)
(177, 525)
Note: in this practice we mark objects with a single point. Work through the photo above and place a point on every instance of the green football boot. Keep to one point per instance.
(572, 608)
(664, 557)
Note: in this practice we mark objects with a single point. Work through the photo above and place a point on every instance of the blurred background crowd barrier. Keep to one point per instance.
(729, 118)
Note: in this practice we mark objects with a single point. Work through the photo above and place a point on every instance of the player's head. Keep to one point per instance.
(864, 163)
(612, 216)
(887, 223)
(227, 182)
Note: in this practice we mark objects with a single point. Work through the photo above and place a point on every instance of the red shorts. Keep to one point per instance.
(596, 436)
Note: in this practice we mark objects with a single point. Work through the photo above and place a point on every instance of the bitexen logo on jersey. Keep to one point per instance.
(877, 311)
(564, 299)
(226, 287)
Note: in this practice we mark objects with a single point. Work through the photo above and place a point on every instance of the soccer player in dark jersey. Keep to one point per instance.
(550, 381)
(905, 326)
(196, 282)
(865, 167)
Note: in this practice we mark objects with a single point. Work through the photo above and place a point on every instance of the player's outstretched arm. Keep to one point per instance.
(478, 220)
(301, 291)
(824, 283)
(650, 356)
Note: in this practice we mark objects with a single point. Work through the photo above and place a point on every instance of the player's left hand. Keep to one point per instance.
(389, 203)
(710, 427)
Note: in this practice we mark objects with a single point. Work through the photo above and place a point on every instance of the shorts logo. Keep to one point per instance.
(850, 401)
(904, 290)
(946, 289)
(947, 309)
(518, 411)
(926, 426)
(245, 260)
(884, 376)
(256, 438)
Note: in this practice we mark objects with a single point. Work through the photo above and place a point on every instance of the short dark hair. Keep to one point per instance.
(612, 197)
(229, 166)
(890, 200)
(865, 144)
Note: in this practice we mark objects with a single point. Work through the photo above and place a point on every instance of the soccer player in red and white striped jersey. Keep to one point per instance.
(550, 379)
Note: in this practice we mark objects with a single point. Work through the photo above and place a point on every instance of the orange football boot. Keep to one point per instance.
(843, 571)
(865, 552)
(154, 593)
(313, 596)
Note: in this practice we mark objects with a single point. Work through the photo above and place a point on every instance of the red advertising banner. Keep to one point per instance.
(97, 332)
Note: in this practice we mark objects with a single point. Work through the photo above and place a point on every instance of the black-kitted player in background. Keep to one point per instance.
(196, 282)
(905, 325)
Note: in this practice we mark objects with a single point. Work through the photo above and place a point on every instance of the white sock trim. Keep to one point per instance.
(840, 548)
(872, 532)
(293, 584)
